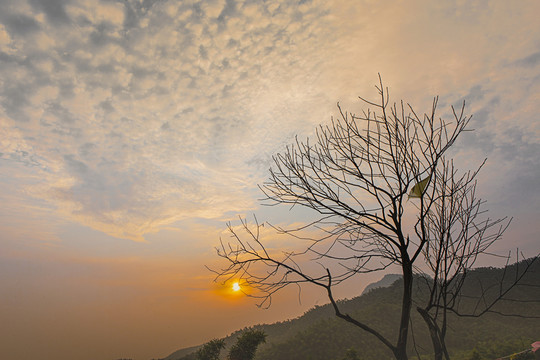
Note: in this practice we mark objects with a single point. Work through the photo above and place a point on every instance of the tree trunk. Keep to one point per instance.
(400, 352)
(436, 341)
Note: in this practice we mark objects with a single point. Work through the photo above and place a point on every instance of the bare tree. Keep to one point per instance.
(358, 176)
(458, 234)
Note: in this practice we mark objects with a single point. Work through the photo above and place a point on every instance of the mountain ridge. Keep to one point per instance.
(386, 281)
(319, 335)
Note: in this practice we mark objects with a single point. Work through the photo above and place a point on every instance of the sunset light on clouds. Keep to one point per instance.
(132, 131)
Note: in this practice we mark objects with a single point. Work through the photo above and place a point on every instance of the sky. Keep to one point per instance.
(132, 131)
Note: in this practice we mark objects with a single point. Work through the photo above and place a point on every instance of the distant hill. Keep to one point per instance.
(319, 335)
(386, 281)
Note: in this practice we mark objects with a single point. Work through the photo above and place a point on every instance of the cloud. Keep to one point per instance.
(20, 24)
(531, 60)
(138, 114)
(145, 113)
(53, 9)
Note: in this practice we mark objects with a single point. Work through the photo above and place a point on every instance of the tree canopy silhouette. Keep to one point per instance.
(246, 345)
(210, 350)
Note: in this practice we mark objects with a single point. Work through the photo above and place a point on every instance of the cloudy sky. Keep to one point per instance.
(132, 131)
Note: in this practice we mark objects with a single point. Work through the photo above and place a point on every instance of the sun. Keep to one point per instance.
(236, 286)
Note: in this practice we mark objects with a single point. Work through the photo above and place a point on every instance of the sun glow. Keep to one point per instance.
(236, 286)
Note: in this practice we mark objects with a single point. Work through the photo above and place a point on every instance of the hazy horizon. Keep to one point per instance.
(133, 131)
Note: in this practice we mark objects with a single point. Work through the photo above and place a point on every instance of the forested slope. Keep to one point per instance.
(319, 335)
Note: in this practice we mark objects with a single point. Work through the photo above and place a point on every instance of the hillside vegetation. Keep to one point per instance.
(319, 335)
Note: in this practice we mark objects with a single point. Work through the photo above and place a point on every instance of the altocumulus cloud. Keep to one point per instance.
(138, 114)
(135, 114)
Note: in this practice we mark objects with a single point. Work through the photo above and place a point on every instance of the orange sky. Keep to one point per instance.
(132, 131)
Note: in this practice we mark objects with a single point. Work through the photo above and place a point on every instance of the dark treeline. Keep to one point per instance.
(319, 335)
